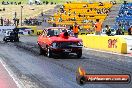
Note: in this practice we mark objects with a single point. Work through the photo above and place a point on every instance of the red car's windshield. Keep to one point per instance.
(54, 32)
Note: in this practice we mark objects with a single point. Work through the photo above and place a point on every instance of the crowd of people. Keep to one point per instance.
(32, 21)
(16, 22)
(41, 3)
(99, 11)
(83, 17)
(8, 22)
(2, 9)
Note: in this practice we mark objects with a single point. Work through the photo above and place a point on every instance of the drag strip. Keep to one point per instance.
(43, 72)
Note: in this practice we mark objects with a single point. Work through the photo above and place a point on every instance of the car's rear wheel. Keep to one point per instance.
(49, 52)
(4, 40)
(79, 54)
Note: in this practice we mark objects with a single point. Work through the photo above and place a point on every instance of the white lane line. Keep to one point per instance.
(108, 52)
(18, 83)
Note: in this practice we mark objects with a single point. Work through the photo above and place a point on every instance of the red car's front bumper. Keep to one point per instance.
(68, 50)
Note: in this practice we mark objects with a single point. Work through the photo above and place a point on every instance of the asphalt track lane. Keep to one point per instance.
(62, 65)
(64, 68)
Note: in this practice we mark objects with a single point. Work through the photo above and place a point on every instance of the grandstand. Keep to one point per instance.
(125, 16)
(83, 13)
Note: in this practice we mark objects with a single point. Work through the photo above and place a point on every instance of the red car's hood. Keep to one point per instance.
(61, 39)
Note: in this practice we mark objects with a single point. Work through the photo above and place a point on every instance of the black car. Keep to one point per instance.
(11, 36)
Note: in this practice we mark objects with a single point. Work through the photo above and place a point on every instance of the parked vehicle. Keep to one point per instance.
(11, 36)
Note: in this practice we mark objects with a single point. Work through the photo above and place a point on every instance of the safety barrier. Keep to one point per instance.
(35, 30)
(106, 43)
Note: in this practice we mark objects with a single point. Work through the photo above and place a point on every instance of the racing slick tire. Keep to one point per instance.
(16, 40)
(49, 52)
(79, 54)
(4, 40)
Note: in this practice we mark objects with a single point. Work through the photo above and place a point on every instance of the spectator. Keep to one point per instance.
(79, 15)
(14, 21)
(101, 4)
(98, 11)
(42, 14)
(3, 2)
(19, 3)
(125, 2)
(47, 2)
(119, 30)
(11, 3)
(54, 24)
(85, 20)
(74, 12)
(114, 2)
(52, 18)
(3, 9)
(98, 27)
(15, 3)
(122, 29)
(88, 10)
(1, 21)
(74, 19)
(65, 13)
(5, 22)
(17, 22)
(108, 30)
(111, 2)
(85, 6)
(8, 22)
(60, 19)
(130, 30)
(43, 2)
(69, 13)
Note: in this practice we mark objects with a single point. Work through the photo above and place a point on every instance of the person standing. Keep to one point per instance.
(108, 30)
(130, 31)
(1, 21)
(98, 27)
(75, 30)
(120, 30)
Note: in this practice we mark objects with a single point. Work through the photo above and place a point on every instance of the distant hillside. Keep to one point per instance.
(27, 1)
(28, 10)
(62, 1)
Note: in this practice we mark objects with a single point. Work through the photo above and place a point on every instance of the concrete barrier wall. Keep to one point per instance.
(106, 43)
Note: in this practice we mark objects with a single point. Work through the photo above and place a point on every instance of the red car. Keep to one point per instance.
(58, 40)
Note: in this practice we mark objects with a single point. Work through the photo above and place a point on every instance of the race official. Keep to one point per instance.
(76, 30)
(98, 27)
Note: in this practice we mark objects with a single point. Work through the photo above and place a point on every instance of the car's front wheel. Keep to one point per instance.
(41, 51)
(49, 52)
(79, 54)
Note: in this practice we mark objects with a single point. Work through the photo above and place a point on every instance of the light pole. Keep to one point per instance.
(21, 14)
